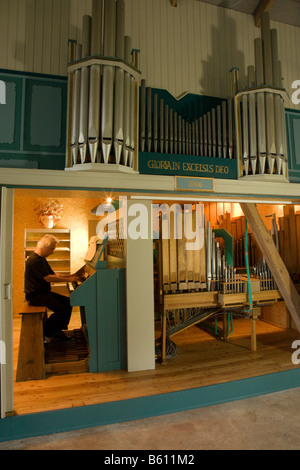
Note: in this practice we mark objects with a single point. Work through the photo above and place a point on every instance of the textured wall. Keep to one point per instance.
(77, 213)
(190, 48)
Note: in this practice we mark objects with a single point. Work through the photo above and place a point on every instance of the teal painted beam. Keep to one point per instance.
(39, 424)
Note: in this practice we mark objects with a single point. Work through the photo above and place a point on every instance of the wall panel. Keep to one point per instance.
(190, 48)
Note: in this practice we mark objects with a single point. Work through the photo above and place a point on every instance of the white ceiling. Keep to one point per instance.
(284, 11)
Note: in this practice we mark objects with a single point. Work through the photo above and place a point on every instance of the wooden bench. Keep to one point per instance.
(31, 360)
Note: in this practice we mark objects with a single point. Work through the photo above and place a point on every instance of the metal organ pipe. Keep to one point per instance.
(245, 134)
(95, 81)
(277, 102)
(224, 118)
(108, 79)
(130, 90)
(119, 82)
(163, 129)
(102, 109)
(268, 76)
(230, 128)
(84, 91)
(76, 106)
(149, 119)
(252, 120)
(264, 117)
(261, 121)
(143, 116)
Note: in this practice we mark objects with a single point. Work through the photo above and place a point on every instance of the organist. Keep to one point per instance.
(38, 278)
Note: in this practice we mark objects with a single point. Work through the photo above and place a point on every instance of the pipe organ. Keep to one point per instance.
(260, 113)
(202, 281)
(103, 93)
(166, 130)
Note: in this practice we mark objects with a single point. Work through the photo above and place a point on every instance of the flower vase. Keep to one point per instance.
(47, 221)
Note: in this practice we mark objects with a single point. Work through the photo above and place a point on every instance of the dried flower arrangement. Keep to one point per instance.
(49, 213)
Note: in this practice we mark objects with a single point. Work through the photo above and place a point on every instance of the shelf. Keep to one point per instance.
(32, 248)
(32, 236)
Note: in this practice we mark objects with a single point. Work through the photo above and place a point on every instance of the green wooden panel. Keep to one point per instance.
(45, 125)
(10, 114)
(33, 121)
(103, 296)
(293, 141)
(110, 319)
(85, 295)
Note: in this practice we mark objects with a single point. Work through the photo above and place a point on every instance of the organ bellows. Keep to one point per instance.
(102, 92)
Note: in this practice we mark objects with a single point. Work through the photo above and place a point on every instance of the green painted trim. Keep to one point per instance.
(42, 76)
(38, 424)
(228, 240)
(46, 161)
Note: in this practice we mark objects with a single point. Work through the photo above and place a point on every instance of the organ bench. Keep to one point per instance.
(31, 359)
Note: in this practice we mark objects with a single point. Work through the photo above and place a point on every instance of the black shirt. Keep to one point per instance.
(36, 269)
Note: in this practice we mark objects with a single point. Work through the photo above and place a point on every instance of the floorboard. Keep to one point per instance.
(201, 360)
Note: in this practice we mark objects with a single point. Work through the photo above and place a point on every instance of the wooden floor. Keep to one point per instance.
(202, 360)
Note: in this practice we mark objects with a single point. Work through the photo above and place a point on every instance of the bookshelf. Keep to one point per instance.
(60, 260)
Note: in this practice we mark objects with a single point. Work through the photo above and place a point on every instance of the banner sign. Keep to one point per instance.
(187, 165)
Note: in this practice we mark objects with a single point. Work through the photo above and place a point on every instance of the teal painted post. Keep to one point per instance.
(247, 266)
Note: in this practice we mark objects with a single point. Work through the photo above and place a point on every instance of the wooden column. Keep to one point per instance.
(274, 261)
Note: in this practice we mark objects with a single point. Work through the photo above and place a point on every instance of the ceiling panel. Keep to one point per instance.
(284, 11)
